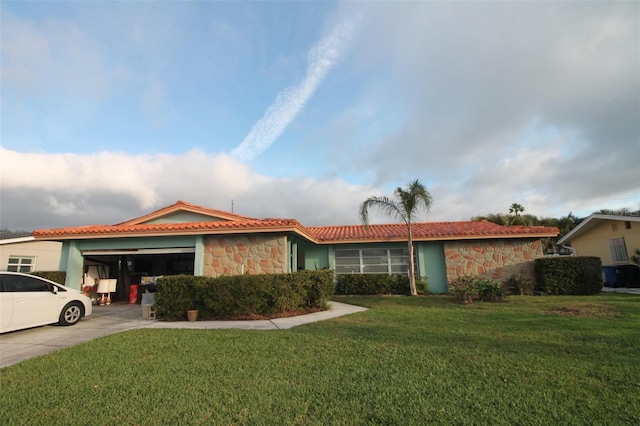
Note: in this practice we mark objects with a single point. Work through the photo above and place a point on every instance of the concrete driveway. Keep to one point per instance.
(20, 345)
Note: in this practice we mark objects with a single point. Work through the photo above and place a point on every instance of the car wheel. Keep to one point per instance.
(71, 314)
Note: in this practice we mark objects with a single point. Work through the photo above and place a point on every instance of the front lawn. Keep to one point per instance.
(423, 360)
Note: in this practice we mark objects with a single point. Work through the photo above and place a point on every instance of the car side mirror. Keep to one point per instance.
(54, 289)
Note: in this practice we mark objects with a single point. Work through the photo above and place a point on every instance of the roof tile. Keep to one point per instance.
(424, 231)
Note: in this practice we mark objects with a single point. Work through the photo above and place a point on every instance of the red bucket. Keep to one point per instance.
(133, 294)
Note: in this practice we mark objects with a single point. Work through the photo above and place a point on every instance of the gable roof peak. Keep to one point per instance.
(188, 207)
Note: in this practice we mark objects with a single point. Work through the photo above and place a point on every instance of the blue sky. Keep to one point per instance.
(304, 109)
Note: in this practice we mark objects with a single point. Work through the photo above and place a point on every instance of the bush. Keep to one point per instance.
(490, 291)
(464, 289)
(468, 288)
(519, 286)
(581, 275)
(242, 296)
(375, 284)
(56, 276)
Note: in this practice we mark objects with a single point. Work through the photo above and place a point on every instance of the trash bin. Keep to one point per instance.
(611, 276)
(148, 299)
(629, 275)
(133, 294)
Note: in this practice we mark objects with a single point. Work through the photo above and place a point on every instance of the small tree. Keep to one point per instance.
(406, 204)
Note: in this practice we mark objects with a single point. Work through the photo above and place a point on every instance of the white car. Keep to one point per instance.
(28, 301)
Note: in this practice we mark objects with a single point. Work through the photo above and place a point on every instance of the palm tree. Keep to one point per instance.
(516, 209)
(406, 204)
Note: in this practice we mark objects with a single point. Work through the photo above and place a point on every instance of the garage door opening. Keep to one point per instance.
(136, 267)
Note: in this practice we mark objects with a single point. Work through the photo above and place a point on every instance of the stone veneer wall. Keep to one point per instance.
(497, 260)
(260, 254)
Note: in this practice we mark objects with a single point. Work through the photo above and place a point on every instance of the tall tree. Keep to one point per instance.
(516, 209)
(405, 206)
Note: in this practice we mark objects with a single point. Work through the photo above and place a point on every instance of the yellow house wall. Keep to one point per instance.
(46, 254)
(595, 242)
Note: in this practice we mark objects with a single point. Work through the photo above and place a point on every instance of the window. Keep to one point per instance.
(21, 264)
(18, 283)
(627, 224)
(372, 261)
(618, 250)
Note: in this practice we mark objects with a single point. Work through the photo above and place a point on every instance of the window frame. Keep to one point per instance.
(618, 249)
(20, 265)
(362, 261)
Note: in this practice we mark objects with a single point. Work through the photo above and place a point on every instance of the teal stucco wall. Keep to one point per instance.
(315, 257)
(432, 265)
(431, 262)
(72, 261)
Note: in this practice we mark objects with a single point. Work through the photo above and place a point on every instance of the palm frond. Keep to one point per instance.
(384, 204)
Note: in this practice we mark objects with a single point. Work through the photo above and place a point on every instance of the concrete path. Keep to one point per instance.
(20, 345)
(628, 290)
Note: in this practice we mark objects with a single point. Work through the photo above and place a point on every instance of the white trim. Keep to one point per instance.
(16, 240)
(138, 251)
(19, 265)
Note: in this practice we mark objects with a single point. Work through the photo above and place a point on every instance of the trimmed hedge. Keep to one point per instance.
(56, 276)
(372, 284)
(242, 296)
(581, 275)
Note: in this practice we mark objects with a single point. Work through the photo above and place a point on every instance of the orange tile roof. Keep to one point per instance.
(428, 231)
(216, 227)
(232, 223)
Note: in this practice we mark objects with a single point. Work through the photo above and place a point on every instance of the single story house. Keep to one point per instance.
(26, 254)
(615, 239)
(612, 238)
(188, 239)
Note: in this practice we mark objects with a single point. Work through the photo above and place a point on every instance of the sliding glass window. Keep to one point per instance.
(372, 261)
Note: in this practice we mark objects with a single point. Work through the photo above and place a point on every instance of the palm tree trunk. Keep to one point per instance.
(412, 266)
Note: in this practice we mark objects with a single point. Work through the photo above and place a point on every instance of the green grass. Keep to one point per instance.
(424, 360)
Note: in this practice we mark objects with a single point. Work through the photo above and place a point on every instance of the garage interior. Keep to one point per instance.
(135, 267)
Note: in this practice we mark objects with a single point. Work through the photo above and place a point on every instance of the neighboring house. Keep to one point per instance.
(25, 254)
(612, 238)
(187, 239)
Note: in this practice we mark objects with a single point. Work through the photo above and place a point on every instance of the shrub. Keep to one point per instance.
(490, 291)
(56, 276)
(176, 294)
(375, 284)
(242, 296)
(464, 289)
(581, 275)
(519, 286)
(468, 288)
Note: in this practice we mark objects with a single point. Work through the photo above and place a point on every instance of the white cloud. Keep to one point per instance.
(71, 190)
(80, 174)
(42, 190)
(321, 58)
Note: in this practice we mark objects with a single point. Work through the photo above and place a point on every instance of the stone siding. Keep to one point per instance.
(237, 254)
(498, 260)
